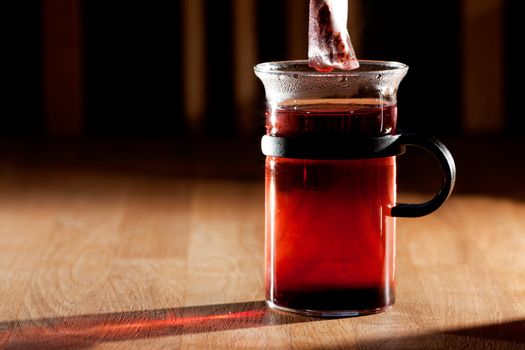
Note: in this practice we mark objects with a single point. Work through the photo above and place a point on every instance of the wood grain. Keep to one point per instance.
(112, 261)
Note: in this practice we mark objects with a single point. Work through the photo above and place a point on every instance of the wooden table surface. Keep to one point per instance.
(109, 260)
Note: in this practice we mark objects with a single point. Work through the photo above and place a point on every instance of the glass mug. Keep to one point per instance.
(331, 144)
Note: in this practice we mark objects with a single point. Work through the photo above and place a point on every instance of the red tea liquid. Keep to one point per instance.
(329, 236)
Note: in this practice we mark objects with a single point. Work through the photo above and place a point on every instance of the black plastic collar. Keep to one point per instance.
(332, 147)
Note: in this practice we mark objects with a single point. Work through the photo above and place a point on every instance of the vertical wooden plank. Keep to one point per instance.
(297, 29)
(194, 54)
(483, 66)
(245, 57)
(63, 67)
(355, 24)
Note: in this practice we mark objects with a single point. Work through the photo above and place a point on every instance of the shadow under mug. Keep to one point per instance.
(331, 145)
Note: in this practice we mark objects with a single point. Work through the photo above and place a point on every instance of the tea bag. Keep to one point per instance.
(329, 44)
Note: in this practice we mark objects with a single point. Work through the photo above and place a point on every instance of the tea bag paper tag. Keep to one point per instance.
(329, 44)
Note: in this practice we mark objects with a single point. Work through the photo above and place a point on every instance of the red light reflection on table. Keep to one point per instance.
(85, 330)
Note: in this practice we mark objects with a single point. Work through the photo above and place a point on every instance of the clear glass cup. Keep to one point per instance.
(331, 144)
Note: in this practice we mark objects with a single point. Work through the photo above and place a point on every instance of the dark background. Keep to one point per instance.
(133, 64)
(130, 77)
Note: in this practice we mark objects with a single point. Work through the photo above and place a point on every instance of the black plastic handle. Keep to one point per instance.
(448, 167)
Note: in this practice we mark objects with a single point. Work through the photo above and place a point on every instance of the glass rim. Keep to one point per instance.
(300, 67)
